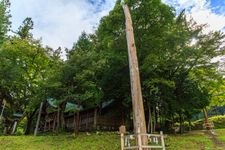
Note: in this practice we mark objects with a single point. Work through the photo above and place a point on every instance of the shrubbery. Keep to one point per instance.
(218, 121)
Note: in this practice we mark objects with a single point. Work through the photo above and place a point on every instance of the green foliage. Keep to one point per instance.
(218, 121)
(178, 75)
(81, 73)
(4, 19)
(171, 52)
(23, 70)
(24, 30)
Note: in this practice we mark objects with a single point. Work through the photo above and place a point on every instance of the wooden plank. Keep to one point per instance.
(132, 147)
(152, 146)
(152, 135)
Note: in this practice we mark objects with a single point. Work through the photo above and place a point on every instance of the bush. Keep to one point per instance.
(218, 121)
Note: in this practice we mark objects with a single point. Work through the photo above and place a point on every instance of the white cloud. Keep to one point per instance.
(202, 12)
(59, 22)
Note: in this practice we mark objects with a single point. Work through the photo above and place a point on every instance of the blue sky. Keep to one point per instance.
(60, 22)
(218, 6)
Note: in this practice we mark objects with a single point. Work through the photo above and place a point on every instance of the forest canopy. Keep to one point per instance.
(178, 76)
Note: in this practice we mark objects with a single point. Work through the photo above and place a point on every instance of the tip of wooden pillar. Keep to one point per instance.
(122, 129)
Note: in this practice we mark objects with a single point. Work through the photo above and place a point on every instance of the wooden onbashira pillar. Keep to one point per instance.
(137, 102)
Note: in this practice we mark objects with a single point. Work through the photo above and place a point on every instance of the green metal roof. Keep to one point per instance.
(70, 107)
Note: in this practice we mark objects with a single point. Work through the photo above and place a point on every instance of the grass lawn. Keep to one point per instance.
(106, 141)
(221, 134)
(195, 140)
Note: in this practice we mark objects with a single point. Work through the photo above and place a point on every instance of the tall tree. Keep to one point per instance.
(4, 19)
(25, 28)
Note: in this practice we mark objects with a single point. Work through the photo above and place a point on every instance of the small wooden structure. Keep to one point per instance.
(133, 141)
(93, 118)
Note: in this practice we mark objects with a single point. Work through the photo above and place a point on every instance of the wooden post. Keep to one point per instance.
(38, 119)
(162, 140)
(137, 102)
(45, 126)
(122, 130)
(139, 140)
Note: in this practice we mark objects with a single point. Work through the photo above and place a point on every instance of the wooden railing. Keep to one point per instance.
(133, 141)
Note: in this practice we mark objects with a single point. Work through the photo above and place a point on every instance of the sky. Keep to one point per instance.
(60, 22)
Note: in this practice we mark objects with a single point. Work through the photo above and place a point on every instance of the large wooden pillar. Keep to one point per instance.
(137, 102)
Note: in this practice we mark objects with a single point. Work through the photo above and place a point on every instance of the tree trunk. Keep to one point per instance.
(87, 121)
(189, 122)
(30, 121)
(14, 127)
(58, 120)
(95, 118)
(154, 119)
(29, 124)
(205, 115)
(2, 110)
(54, 123)
(181, 123)
(45, 126)
(38, 120)
(207, 124)
(77, 123)
(150, 124)
(74, 122)
(62, 119)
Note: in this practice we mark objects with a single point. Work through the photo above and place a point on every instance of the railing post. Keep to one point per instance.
(162, 140)
(122, 141)
(139, 139)
(122, 130)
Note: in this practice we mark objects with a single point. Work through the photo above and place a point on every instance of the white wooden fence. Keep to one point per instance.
(133, 141)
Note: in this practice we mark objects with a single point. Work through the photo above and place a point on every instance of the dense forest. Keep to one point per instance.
(180, 67)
